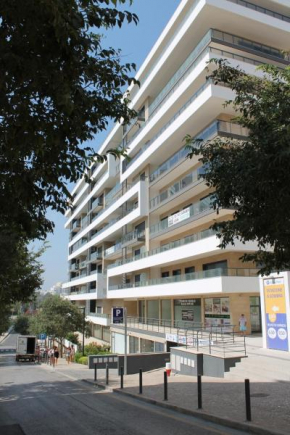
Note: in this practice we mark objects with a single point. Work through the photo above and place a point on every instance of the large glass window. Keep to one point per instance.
(166, 309)
(153, 309)
(106, 334)
(187, 310)
(133, 344)
(146, 345)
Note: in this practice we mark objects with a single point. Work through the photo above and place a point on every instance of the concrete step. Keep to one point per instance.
(260, 368)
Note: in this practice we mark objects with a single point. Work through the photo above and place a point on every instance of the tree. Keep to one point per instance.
(5, 321)
(20, 271)
(21, 325)
(58, 88)
(57, 318)
(252, 176)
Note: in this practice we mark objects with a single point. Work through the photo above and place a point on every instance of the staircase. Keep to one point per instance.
(260, 368)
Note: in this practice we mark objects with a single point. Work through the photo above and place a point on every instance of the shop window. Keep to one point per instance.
(133, 344)
(159, 347)
(146, 345)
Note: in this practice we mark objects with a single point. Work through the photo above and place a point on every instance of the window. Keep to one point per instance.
(176, 272)
(99, 309)
(92, 306)
(165, 274)
(141, 227)
(190, 269)
(137, 279)
(137, 252)
(216, 265)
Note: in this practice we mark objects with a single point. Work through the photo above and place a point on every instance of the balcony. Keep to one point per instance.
(217, 128)
(95, 256)
(167, 247)
(183, 217)
(100, 318)
(187, 182)
(261, 9)
(76, 225)
(214, 281)
(133, 238)
(113, 250)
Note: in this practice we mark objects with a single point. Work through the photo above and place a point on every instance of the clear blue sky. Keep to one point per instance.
(135, 43)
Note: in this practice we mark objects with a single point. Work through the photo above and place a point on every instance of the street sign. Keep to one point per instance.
(118, 315)
(42, 336)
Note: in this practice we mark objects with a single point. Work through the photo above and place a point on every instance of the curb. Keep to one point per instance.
(246, 427)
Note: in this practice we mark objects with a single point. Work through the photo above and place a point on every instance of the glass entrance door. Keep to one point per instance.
(255, 313)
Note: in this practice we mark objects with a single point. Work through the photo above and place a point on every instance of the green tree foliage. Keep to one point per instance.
(21, 325)
(20, 270)
(57, 318)
(252, 176)
(73, 337)
(58, 88)
(5, 321)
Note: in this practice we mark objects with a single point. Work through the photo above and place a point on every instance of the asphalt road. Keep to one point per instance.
(36, 400)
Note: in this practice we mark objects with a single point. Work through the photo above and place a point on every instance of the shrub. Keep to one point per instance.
(95, 349)
(83, 360)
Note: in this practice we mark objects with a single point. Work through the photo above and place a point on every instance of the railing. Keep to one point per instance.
(83, 264)
(132, 236)
(213, 273)
(113, 249)
(188, 180)
(76, 224)
(98, 202)
(164, 248)
(193, 210)
(216, 128)
(159, 325)
(261, 9)
(95, 256)
(78, 244)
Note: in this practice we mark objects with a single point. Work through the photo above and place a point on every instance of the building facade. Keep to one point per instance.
(140, 233)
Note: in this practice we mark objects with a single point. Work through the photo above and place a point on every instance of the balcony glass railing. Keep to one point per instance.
(183, 216)
(216, 128)
(100, 315)
(133, 235)
(164, 248)
(192, 61)
(244, 273)
(95, 255)
(186, 181)
(78, 244)
(261, 9)
(113, 249)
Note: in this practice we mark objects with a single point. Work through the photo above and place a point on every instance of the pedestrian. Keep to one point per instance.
(51, 357)
(72, 354)
(243, 324)
(56, 355)
(68, 354)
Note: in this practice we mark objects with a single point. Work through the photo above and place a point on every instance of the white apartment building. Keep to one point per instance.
(140, 233)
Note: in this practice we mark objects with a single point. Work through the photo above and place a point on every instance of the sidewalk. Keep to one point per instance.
(222, 398)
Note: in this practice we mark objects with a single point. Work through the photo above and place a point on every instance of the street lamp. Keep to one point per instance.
(84, 323)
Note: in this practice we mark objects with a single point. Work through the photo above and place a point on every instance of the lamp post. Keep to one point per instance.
(84, 322)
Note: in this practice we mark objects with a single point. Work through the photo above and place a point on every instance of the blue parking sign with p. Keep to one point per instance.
(118, 315)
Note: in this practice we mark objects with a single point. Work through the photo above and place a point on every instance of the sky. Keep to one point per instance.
(135, 43)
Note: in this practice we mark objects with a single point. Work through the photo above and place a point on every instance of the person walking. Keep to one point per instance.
(51, 357)
(68, 354)
(72, 354)
(56, 355)
(243, 324)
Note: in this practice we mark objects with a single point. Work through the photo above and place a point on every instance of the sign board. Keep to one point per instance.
(42, 336)
(179, 217)
(118, 315)
(275, 310)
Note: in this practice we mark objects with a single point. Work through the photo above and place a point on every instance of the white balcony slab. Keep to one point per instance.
(216, 285)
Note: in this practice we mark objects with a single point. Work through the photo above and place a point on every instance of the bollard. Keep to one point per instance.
(107, 374)
(140, 382)
(95, 378)
(122, 376)
(165, 387)
(248, 400)
(199, 392)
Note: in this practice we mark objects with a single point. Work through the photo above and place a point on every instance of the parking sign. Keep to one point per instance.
(118, 315)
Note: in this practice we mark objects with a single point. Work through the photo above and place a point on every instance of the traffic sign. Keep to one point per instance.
(118, 315)
(42, 336)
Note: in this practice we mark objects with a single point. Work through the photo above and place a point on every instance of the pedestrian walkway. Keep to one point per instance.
(223, 398)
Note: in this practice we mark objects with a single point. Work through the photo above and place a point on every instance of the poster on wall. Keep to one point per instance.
(187, 315)
(275, 310)
(217, 313)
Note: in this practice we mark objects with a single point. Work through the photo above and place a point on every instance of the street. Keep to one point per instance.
(36, 399)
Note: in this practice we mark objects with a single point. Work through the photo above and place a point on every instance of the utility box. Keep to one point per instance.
(26, 348)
